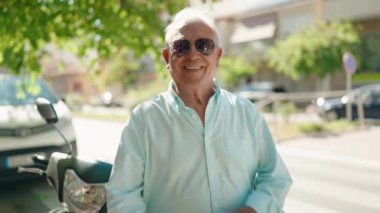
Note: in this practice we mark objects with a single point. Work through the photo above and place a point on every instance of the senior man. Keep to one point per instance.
(196, 147)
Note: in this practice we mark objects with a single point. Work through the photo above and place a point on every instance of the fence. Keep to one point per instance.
(303, 100)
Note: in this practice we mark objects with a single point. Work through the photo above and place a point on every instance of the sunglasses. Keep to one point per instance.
(182, 47)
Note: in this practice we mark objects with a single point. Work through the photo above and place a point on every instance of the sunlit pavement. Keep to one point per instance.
(334, 173)
(97, 139)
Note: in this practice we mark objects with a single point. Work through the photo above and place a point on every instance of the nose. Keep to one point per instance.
(193, 53)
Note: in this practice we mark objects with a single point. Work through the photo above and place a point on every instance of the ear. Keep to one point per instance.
(165, 55)
(219, 52)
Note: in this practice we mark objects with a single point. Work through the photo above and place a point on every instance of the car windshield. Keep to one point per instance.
(22, 90)
(363, 91)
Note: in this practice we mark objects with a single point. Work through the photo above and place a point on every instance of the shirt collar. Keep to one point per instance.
(176, 101)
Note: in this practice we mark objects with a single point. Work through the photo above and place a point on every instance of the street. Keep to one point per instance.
(333, 173)
(98, 139)
(337, 173)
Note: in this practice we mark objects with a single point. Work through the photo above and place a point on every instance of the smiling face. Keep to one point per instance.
(192, 68)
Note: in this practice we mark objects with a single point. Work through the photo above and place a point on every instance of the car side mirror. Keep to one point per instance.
(46, 110)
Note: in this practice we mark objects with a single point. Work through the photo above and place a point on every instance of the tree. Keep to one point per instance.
(122, 69)
(80, 26)
(233, 69)
(315, 50)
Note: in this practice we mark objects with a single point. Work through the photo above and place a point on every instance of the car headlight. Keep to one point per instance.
(344, 99)
(320, 101)
(80, 196)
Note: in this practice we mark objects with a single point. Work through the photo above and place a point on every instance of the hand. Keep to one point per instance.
(245, 209)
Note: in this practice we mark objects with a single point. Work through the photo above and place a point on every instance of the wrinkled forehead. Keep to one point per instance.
(191, 30)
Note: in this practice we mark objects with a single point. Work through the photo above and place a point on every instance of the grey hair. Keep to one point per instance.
(185, 16)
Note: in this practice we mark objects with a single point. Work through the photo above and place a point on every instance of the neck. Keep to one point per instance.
(196, 97)
(194, 94)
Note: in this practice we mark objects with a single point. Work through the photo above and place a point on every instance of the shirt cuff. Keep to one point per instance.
(262, 203)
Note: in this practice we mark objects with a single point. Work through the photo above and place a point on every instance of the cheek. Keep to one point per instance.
(175, 62)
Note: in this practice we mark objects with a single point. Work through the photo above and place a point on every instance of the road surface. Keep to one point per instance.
(336, 173)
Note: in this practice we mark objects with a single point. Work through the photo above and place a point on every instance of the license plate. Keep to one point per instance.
(20, 160)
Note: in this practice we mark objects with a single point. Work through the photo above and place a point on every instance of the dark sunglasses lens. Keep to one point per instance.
(205, 46)
(180, 47)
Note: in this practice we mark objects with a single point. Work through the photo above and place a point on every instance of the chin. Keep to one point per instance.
(199, 81)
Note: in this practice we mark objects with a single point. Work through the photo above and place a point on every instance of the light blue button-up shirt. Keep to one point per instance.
(168, 161)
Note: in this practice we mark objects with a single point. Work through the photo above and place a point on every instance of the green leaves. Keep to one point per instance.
(123, 69)
(315, 50)
(27, 26)
(233, 69)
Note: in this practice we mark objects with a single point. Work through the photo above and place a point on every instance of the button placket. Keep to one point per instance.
(212, 173)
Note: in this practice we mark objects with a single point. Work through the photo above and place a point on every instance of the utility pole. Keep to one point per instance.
(318, 11)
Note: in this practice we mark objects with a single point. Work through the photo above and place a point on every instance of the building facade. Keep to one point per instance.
(257, 24)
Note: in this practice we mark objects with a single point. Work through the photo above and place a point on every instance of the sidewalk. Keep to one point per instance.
(360, 143)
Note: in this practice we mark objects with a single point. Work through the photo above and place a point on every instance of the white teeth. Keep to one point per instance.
(193, 68)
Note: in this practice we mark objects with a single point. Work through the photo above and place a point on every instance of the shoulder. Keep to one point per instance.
(236, 100)
(239, 105)
(141, 113)
(151, 105)
(240, 108)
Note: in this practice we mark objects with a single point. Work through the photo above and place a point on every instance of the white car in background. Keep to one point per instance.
(23, 132)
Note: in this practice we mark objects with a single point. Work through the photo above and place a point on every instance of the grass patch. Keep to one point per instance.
(333, 126)
(311, 127)
(287, 131)
(360, 78)
(340, 125)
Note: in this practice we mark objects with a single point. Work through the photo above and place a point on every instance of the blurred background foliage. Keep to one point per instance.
(233, 69)
(122, 69)
(371, 50)
(143, 92)
(90, 29)
(315, 50)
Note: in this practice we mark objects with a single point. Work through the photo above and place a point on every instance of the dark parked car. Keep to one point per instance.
(23, 132)
(335, 108)
(257, 91)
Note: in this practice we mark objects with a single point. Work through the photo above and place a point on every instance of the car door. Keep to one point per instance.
(372, 104)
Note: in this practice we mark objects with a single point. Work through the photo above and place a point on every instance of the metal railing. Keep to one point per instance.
(297, 97)
(308, 98)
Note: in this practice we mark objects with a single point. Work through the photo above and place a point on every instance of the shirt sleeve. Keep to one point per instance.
(272, 180)
(125, 186)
